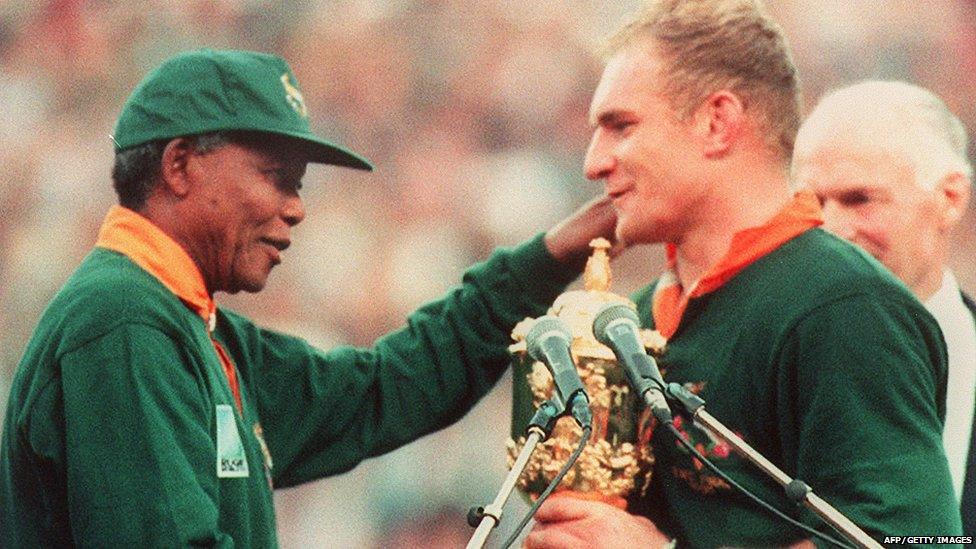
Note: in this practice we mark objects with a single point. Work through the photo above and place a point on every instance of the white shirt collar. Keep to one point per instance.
(958, 328)
(947, 299)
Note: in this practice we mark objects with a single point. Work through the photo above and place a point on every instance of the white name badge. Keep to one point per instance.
(231, 460)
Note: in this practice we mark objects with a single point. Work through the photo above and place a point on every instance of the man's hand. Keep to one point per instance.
(569, 522)
(569, 241)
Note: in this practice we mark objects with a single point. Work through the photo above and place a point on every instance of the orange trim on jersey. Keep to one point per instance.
(670, 298)
(132, 235)
(135, 237)
(230, 372)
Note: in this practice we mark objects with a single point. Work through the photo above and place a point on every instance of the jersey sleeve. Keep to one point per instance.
(323, 412)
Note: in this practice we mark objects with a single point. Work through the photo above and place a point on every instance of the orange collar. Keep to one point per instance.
(670, 300)
(135, 237)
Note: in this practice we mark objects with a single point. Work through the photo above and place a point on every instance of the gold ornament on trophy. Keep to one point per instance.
(617, 460)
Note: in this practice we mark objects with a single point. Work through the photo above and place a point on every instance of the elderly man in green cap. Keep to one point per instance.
(144, 415)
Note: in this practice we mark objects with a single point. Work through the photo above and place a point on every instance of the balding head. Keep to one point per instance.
(888, 162)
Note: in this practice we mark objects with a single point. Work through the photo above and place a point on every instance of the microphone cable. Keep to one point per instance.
(587, 430)
(677, 434)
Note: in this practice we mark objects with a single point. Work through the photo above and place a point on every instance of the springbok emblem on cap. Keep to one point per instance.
(294, 96)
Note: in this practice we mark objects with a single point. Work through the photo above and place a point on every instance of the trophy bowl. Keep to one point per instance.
(617, 459)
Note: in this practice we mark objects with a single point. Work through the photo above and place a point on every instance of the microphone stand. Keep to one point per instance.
(539, 429)
(795, 489)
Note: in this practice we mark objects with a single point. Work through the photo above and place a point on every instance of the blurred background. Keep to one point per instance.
(474, 112)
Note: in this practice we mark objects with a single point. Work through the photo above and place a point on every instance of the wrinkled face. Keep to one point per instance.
(870, 198)
(246, 202)
(642, 151)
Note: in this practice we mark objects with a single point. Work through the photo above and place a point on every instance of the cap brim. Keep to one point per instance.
(321, 151)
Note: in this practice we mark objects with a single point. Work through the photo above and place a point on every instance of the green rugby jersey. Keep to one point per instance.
(827, 365)
(122, 430)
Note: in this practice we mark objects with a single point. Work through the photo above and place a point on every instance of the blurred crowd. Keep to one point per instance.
(474, 112)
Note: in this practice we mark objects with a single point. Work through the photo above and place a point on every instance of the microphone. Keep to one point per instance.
(548, 342)
(615, 326)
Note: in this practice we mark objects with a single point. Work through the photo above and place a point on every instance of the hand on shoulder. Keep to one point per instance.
(570, 239)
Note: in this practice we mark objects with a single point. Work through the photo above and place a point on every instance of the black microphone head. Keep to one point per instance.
(545, 327)
(609, 313)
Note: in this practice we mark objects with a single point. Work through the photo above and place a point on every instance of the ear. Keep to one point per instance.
(720, 118)
(175, 175)
(953, 191)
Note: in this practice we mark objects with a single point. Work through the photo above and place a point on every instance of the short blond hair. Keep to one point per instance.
(711, 45)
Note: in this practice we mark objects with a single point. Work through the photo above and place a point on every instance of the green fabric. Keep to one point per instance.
(110, 437)
(207, 90)
(830, 368)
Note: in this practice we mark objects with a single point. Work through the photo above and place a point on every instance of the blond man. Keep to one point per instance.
(811, 351)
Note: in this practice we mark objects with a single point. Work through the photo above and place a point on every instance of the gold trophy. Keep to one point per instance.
(617, 460)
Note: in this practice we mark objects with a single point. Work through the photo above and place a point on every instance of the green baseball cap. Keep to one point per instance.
(208, 90)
